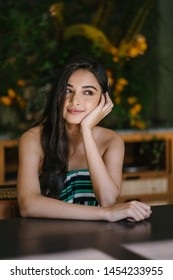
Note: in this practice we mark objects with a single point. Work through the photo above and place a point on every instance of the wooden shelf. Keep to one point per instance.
(143, 174)
(157, 199)
(150, 185)
(8, 161)
(8, 174)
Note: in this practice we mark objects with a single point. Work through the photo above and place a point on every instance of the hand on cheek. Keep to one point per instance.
(99, 112)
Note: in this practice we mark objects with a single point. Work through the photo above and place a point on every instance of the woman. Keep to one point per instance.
(67, 163)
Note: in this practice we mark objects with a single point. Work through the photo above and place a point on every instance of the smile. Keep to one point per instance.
(74, 111)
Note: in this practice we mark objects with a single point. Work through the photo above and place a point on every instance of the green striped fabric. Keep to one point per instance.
(78, 188)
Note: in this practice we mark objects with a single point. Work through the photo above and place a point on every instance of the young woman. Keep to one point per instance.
(68, 165)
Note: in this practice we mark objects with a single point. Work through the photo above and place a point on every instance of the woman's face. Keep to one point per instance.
(83, 94)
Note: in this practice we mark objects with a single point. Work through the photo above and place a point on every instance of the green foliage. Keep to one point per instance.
(37, 37)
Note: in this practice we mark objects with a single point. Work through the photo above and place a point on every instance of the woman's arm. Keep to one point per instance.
(106, 170)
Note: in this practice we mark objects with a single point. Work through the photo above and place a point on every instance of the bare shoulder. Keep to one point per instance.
(108, 135)
(33, 134)
(31, 139)
(109, 138)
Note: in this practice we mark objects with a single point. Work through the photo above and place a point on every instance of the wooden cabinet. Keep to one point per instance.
(9, 209)
(8, 176)
(8, 161)
(148, 175)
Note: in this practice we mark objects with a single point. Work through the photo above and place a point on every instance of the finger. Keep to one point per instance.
(107, 97)
(144, 208)
(108, 101)
(105, 105)
(141, 213)
(102, 101)
(138, 211)
(141, 204)
(131, 220)
(105, 112)
(107, 109)
(135, 216)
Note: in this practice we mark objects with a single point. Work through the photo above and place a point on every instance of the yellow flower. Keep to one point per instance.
(133, 51)
(56, 10)
(122, 81)
(114, 51)
(140, 124)
(6, 100)
(133, 48)
(132, 112)
(135, 109)
(141, 43)
(111, 81)
(110, 78)
(137, 47)
(117, 100)
(11, 93)
(115, 59)
(119, 86)
(131, 100)
(20, 83)
(132, 122)
(123, 49)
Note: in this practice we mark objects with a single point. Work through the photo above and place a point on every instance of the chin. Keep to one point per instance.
(73, 121)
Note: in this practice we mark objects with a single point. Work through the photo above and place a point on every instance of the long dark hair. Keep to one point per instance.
(54, 138)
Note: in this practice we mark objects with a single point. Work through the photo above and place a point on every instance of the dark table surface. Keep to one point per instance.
(22, 237)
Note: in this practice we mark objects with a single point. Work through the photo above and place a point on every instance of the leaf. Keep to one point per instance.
(90, 32)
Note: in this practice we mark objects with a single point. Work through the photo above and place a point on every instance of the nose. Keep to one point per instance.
(75, 99)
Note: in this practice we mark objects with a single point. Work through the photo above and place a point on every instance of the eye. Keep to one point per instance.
(88, 92)
(68, 91)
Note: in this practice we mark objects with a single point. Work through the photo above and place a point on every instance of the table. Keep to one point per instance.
(25, 237)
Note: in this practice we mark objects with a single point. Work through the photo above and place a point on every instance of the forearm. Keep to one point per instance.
(105, 189)
(44, 207)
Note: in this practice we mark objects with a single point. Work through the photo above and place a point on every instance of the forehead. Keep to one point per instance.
(83, 77)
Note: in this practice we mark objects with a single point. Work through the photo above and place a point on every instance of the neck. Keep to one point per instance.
(74, 133)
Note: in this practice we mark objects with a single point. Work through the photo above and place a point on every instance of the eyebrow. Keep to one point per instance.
(69, 85)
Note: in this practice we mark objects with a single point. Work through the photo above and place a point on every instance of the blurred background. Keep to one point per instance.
(132, 39)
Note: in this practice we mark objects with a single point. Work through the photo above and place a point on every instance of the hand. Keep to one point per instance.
(133, 211)
(97, 114)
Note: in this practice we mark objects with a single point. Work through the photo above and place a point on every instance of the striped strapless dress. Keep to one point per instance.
(78, 188)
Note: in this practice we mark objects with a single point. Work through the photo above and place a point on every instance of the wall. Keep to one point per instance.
(165, 41)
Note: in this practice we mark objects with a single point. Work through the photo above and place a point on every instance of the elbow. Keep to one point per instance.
(24, 212)
(26, 208)
(109, 202)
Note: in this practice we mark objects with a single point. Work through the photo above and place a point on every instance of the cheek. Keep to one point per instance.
(92, 105)
(65, 106)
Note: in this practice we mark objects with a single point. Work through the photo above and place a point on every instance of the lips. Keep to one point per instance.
(75, 111)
